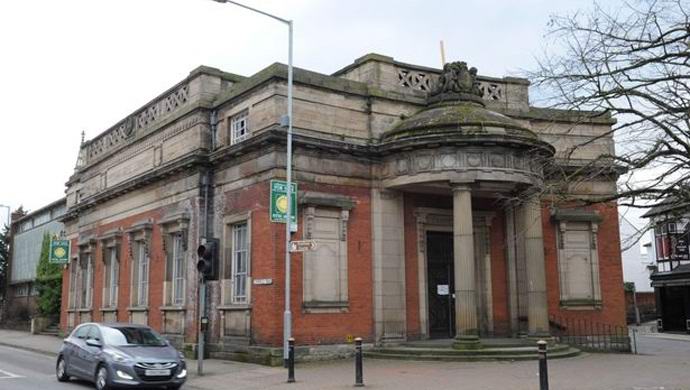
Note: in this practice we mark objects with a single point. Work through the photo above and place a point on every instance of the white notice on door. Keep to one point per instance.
(441, 289)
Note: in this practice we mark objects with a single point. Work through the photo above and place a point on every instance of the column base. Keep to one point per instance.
(467, 342)
(542, 336)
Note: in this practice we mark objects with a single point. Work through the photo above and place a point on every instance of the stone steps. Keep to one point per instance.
(484, 354)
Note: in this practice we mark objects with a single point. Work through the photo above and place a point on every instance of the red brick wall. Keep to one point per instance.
(267, 300)
(610, 269)
(268, 254)
(156, 272)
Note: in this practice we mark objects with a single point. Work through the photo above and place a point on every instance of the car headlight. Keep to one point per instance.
(182, 373)
(118, 357)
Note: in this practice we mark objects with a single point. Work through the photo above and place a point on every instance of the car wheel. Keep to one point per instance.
(61, 370)
(102, 378)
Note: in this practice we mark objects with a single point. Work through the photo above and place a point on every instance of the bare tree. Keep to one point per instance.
(631, 63)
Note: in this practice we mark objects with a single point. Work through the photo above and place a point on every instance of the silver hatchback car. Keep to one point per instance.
(120, 355)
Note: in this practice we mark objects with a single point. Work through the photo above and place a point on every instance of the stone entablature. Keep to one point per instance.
(350, 112)
(460, 164)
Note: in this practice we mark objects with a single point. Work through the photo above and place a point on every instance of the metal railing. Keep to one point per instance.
(591, 335)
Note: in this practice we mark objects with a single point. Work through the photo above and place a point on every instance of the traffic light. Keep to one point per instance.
(208, 259)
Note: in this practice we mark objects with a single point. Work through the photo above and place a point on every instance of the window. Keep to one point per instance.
(140, 275)
(93, 334)
(21, 291)
(26, 225)
(42, 218)
(236, 267)
(325, 269)
(175, 269)
(578, 264)
(82, 332)
(174, 228)
(86, 280)
(73, 284)
(240, 263)
(111, 277)
(239, 127)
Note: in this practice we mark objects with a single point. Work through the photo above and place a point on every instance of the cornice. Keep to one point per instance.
(197, 160)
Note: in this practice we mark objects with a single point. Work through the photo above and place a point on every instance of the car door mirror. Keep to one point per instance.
(93, 343)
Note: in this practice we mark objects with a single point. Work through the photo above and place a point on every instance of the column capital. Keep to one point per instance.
(461, 187)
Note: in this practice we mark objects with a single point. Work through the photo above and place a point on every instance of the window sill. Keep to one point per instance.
(581, 304)
(237, 306)
(84, 310)
(108, 309)
(138, 308)
(172, 308)
(325, 307)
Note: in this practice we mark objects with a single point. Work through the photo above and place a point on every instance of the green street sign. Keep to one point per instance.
(59, 251)
(279, 202)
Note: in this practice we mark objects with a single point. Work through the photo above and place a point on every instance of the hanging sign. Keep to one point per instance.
(59, 251)
(279, 204)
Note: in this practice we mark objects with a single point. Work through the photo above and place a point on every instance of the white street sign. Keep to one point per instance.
(302, 246)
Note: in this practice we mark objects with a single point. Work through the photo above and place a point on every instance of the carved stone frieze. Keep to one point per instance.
(500, 161)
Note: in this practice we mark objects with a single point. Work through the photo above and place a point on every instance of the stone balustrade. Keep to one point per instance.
(134, 124)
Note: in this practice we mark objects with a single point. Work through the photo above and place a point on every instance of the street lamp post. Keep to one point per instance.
(287, 314)
(9, 211)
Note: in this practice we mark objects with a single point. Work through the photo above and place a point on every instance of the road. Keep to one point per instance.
(663, 363)
(23, 370)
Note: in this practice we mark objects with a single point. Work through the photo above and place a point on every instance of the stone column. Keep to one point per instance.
(511, 263)
(537, 309)
(467, 331)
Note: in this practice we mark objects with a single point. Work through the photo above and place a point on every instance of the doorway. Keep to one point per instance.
(440, 284)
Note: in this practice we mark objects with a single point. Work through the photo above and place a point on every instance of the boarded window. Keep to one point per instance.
(578, 264)
(325, 269)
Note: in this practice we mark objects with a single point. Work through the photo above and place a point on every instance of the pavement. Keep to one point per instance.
(663, 363)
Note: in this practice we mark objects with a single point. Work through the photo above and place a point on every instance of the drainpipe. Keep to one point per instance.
(204, 231)
(214, 129)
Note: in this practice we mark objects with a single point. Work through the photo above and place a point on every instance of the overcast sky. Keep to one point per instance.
(81, 65)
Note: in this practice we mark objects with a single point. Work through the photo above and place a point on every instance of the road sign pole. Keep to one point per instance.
(287, 316)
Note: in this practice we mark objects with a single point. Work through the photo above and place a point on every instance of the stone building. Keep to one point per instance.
(27, 233)
(405, 179)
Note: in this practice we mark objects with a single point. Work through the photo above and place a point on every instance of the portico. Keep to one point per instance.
(467, 153)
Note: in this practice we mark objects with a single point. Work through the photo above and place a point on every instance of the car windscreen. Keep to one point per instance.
(131, 336)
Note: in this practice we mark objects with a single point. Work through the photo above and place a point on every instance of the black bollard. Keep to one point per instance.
(359, 375)
(291, 360)
(543, 369)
